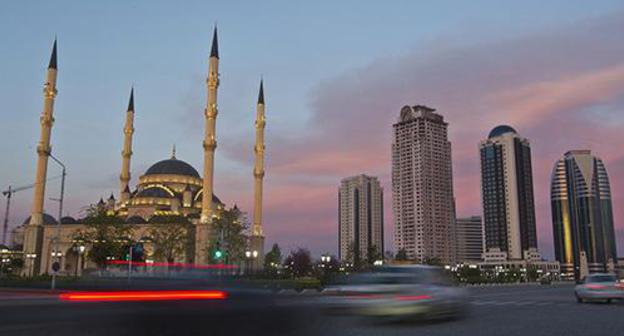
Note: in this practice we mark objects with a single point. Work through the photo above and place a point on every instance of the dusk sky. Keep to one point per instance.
(336, 75)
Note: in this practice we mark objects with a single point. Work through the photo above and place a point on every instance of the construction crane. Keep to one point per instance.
(8, 193)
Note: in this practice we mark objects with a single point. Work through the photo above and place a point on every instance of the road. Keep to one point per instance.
(501, 310)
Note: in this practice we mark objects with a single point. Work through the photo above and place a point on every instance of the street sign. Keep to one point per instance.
(56, 266)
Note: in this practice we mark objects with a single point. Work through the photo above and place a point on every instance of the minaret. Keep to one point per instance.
(33, 233)
(256, 242)
(210, 143)
(43, 147)
(259, 164)
(126, 153)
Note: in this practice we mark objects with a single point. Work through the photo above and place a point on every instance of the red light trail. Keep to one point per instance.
(169, 295)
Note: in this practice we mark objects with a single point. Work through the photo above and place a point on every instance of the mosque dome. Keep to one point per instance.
(501, 130)
(47, 220)
(172, 166)
(68, 220)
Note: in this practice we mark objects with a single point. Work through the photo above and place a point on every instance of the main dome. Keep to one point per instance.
(500, 130)
(172, 167)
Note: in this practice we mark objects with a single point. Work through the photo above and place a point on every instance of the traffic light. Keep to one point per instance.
(218, 254)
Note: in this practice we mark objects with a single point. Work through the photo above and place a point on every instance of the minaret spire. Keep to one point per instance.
(261, 93)
(32, 233)
(44, 148)
(210, 142)
(126, 153)
(257, 236)
(52, 64)
(173, 152)
(215, 44)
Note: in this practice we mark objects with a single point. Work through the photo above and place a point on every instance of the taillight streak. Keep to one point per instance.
(596, 287)
(413, 297)
(143, 296)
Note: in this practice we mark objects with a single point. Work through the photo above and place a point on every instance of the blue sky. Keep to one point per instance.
(161, 48)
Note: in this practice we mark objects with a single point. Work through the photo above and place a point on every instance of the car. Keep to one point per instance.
(398, 292)
(599, 287)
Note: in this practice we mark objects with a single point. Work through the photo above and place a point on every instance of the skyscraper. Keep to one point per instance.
(422, 186)
(582, 213)
(360, 222)
(469, 239)
(507, 195)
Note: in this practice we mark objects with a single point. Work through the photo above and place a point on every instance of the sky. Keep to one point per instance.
(336, 76)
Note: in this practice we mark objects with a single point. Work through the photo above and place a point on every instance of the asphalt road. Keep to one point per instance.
(505, 310)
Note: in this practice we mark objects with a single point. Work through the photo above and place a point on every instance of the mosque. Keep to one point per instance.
(168, 187)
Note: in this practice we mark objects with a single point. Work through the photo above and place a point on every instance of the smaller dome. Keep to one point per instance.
(154, 192)
(47, 220)
(68, 220)
(501, 130)
(136, 220)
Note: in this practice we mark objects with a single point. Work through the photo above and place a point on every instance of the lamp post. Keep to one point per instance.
(247, 257)
(31, 263)
(80, 250)
(60, 215)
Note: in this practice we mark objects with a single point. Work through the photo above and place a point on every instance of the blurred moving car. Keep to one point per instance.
(398, 292)
(599, 286)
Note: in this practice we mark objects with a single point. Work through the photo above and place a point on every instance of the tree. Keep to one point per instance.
(373, 254)
(299, 262)
(273, 258)
(434, 261)
(171, 240)
(106, 233)
(228, 237)
(401, 255)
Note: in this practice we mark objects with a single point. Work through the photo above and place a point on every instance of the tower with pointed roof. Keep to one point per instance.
(32, 234)
(210, 137)
(126, 153)
(257, 235)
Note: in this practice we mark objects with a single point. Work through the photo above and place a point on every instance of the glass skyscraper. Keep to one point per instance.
(582, 214)
(507, 195)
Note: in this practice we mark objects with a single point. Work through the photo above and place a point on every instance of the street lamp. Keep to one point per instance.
(80, 250)
(60, 214)
(31, 263)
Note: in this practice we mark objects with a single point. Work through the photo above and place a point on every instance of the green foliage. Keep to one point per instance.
(531, 273)
(228, 236)
(273, 258)
(169, 219)
(373, 254)
(170, 241)
(434, 261)
(401, 255)
(107, 235)
(299, 263)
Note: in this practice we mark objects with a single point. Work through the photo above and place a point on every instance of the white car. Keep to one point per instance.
(599, 286)
(398, 292)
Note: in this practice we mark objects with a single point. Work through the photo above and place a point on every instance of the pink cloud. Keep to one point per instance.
(541, 84)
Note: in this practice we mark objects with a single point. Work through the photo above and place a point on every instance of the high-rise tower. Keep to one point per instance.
(582, 214)
(507, 195)
(257, 236)
(33, 232)
(422, 186)
(360, 219)
(126, 153)
(210, 137)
